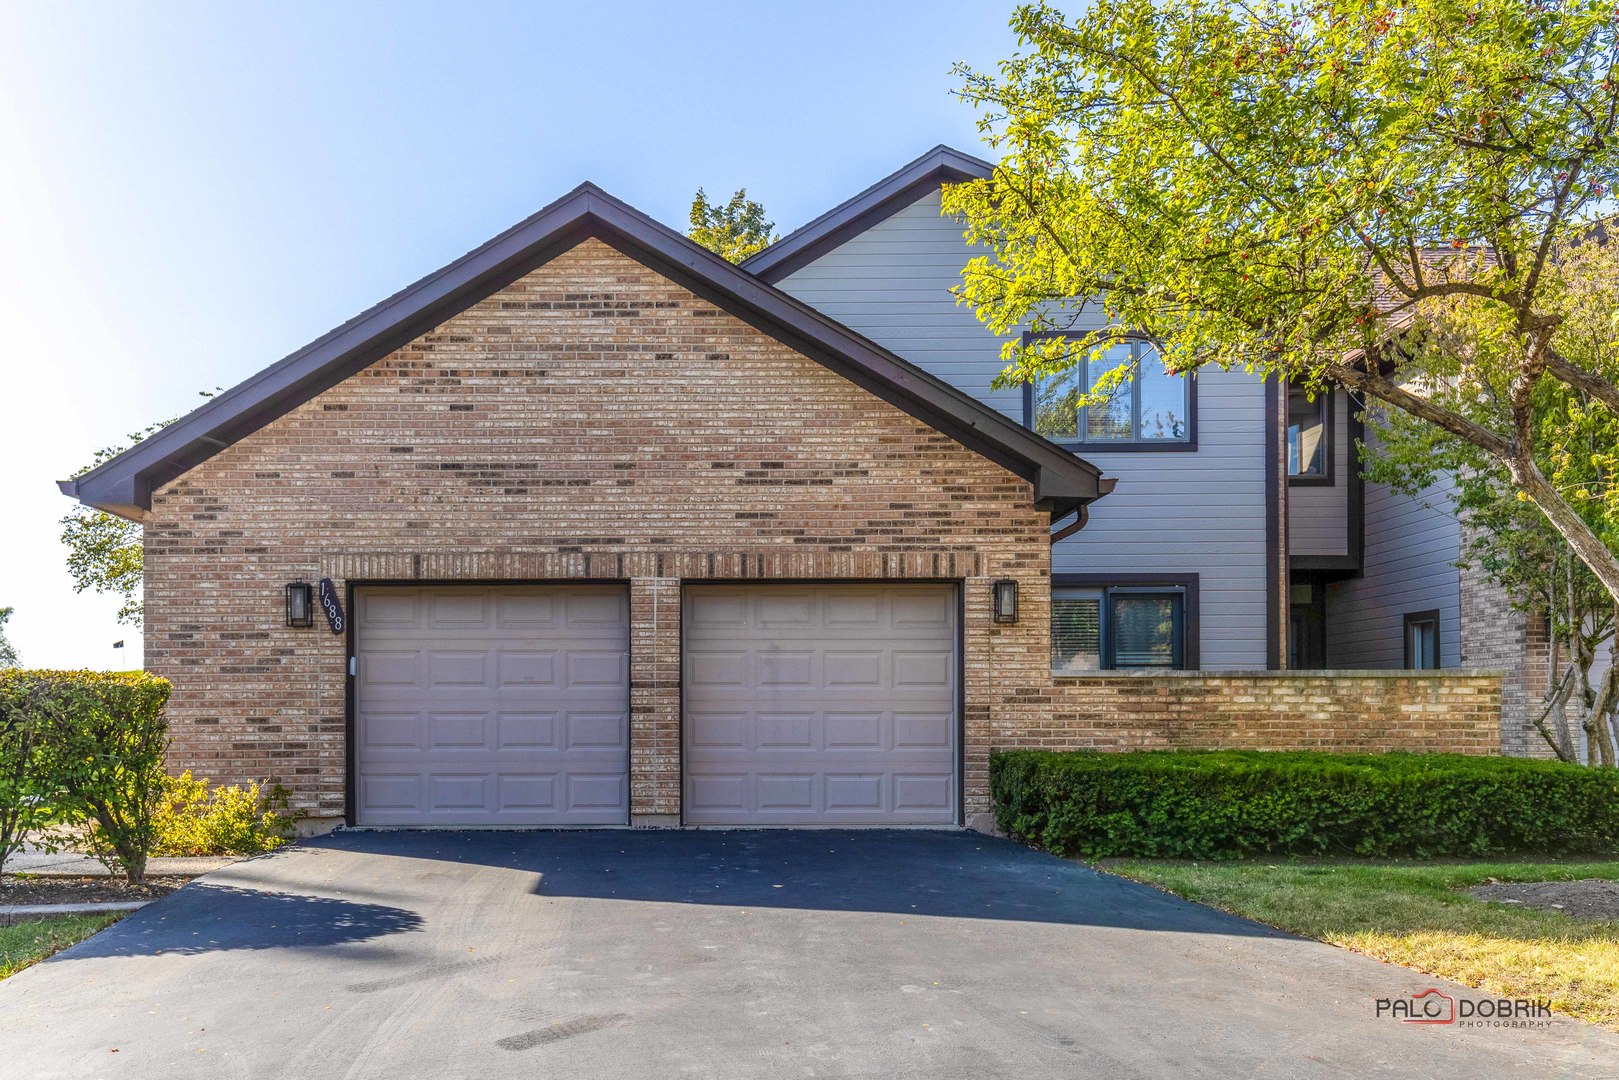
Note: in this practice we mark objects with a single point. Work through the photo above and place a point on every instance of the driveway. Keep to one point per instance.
(721, 954)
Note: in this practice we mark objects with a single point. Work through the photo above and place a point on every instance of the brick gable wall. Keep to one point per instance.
(591, 421)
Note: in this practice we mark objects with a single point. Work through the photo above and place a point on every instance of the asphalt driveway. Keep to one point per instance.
(721, 954)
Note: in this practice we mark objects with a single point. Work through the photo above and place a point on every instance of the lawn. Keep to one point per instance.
(1413, 914)
(28, 943)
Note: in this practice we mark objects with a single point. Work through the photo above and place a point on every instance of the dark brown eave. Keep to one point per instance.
(124, 484)
(886, 197)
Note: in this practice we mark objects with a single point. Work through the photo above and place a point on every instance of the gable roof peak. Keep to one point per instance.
(124, 484)
(899, 189)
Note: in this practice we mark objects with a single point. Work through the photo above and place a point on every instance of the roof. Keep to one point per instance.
(883, 199)
(124, 484)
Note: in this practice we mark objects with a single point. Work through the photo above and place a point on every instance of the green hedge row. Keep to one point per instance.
(1222, 804)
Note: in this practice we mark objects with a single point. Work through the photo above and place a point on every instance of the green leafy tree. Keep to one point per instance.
(1577, 448)
(104, 550)
(735, 230)
(8, 652)
(1370, 195)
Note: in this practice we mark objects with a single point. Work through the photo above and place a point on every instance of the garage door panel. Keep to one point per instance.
(458, 610)
(457, 731)
(526, 611)
(390, 668)
(857, 791)
(872, 671)
(605, 668)
(931, 669)
(528, 791)
(604, 730)
(526, 731)
(457, 668)
(855, 731)
(917, 730)
(526, 668)
(862, 669)
(492, 706)
(390, 730)
(718, 794)
(920, 793)
(784, 731)
(786, 791)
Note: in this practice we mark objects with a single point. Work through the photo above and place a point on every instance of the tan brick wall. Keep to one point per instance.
(1497, 637)
(593, 420)
(1270, 710)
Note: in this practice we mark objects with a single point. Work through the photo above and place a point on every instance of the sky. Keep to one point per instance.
(188, 192)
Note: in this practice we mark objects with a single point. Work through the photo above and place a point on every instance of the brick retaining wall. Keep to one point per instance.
(1443, 711)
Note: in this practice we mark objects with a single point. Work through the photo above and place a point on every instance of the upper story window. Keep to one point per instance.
(1145, 409)
(1309, 436)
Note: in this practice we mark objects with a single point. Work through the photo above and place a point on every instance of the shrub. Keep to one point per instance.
(1229, 804)
(100, 757)
(191, 819)
(22, 807)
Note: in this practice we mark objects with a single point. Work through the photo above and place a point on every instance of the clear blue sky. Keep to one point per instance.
(190, 191)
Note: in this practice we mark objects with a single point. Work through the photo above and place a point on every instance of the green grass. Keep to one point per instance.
(30, 942)
(1413, 914)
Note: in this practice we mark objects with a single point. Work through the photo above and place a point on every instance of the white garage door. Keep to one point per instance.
(492, 705)
(820, 704)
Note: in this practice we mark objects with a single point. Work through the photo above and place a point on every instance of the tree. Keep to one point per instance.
(8, 652)
(736, 230)
(1577, 448)
(104, 550)
(1316, 191)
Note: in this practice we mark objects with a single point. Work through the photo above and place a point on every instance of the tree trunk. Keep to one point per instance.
(1557, 735)
(1588, 548)
(1598, 747)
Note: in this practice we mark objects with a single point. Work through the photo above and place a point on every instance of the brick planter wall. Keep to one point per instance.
(1439, 711)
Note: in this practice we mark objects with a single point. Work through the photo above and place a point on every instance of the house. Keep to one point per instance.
(608, 531)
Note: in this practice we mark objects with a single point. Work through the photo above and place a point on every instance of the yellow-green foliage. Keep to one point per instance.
(97, 756)
(193, 819)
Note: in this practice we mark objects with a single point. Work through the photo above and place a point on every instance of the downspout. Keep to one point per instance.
(1081, 516)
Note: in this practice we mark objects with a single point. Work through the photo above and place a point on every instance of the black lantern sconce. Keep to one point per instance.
(1006, 600)
(300, 604)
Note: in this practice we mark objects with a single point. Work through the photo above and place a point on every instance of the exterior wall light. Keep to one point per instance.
(300, 604)
(1006, 600)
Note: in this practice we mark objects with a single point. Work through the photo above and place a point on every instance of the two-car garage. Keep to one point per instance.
(802, 704)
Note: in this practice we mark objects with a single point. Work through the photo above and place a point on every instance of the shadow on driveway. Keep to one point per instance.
(205, 917)
(908, 872)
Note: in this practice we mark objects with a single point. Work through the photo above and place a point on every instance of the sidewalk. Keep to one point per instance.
(31, 860)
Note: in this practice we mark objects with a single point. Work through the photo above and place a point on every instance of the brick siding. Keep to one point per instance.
(1377, 711)
(1494, 636)
(591, 421)
(595, 421)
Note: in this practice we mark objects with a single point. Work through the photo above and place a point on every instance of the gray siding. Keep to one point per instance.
(1318, 514)
(1200, 512)
(1412, 544)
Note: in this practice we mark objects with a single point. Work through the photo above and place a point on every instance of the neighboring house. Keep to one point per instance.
(608, 530)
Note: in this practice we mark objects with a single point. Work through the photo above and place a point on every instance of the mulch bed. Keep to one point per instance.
(1591, 898)
(61, 889)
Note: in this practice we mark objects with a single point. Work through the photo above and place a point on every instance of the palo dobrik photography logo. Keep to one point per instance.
(1430, 1006)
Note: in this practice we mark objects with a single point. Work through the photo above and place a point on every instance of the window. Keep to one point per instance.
(1142, 406)
(1422, 641)
(1123, 626)
(1309, 436)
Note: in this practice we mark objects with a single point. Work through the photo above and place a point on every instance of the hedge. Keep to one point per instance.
(1227, 804)
(84, 749)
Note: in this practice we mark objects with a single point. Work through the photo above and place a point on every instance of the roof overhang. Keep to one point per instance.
(886, 197)
(123, 485)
